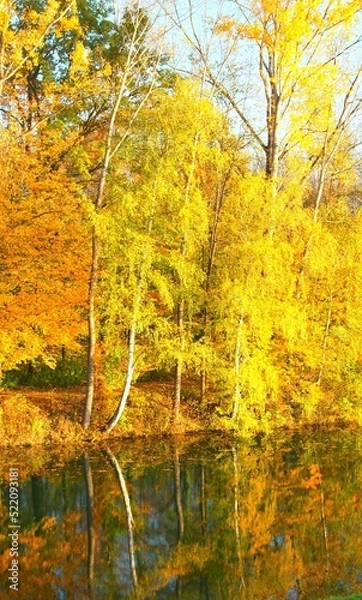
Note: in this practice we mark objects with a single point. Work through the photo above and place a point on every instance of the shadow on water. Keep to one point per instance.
(207, 518)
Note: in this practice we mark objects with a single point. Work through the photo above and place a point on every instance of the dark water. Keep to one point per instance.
(210, 518)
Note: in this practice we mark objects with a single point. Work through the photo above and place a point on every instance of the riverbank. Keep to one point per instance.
(32, 417)
(53, 417)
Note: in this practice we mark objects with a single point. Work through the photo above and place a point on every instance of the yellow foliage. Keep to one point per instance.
(79, 60)
(21, 422)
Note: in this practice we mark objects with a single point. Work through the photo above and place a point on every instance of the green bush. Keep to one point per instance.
(69, 371)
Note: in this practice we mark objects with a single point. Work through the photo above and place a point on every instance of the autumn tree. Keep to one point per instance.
(207, 226)
(132, 80)
(50, 66)
(217, 177)
(290, 49)
(296, 109)
(43, 256)
(191, 157)
(25, 29)
(154, 228)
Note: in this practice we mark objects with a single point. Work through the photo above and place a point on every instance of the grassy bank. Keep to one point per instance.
(30, 417)
(48, 417)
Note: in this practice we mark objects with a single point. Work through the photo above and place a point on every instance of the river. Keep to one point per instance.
(204, 518)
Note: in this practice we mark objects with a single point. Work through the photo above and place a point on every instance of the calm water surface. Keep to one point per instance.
(207, 518)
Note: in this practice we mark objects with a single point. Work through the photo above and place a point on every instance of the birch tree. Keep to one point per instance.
(192, 151)
(154, 279)
(135, 70)
(263, 57)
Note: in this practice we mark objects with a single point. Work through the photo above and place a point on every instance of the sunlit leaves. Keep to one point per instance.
(156, 223)
(43, 279)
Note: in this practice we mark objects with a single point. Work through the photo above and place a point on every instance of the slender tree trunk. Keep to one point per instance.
(127, 504)
(128, 380)
(238, 357)
(179, 360)
(318, 200)
(203, 381)
(109, 152)
(325, 338)
(268, 68)
(131, 346)
(218, 205)
(181, 306)
(272, 151)
(92, 334)
(93, 281)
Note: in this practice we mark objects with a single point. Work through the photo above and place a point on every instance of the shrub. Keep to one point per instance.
(21, 422)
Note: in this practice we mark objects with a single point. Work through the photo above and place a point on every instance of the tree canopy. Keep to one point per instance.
(202, 227)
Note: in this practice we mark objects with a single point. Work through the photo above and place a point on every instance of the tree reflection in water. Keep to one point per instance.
(89, 517)
(127, 504)
(208, 518)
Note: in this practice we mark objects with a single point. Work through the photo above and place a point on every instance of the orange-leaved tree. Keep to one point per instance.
(44, 258)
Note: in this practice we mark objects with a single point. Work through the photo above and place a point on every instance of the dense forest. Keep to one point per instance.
(180, 202)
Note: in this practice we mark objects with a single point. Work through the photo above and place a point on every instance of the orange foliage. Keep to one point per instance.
(44, 248)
